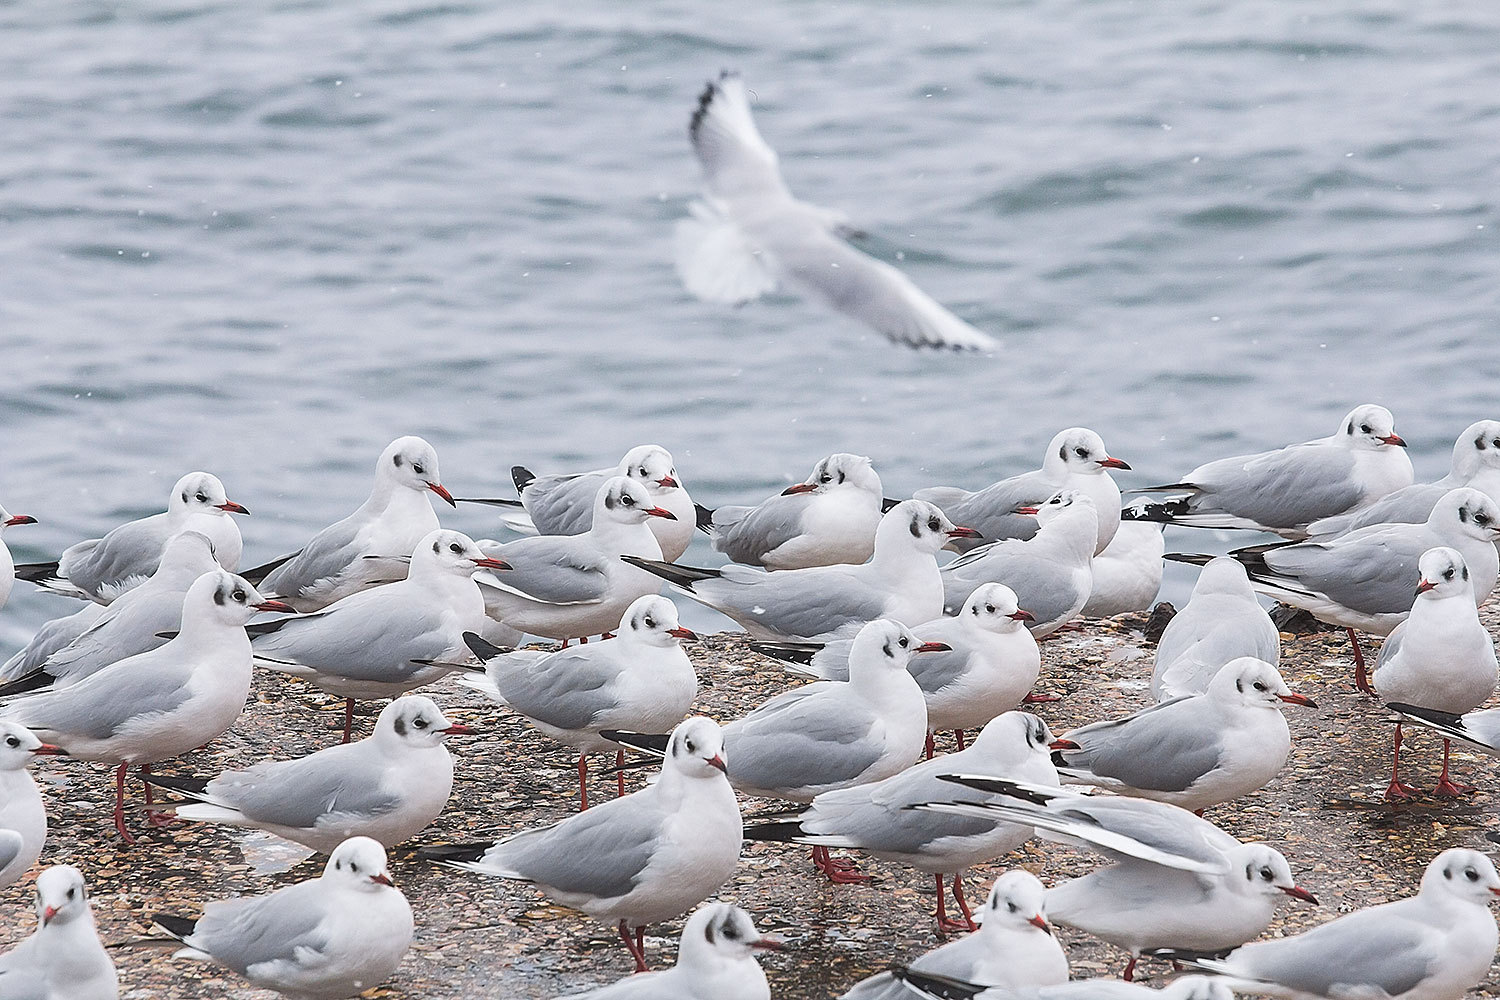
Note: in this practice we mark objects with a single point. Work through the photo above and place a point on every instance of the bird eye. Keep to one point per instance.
(455, 547)
(933, 524)
(825, 478)
(626, 499)
(902, 642)
(11, 741)
(1496, 442)
(650, 622)
(1471, 875)
(989, 608)
(202, 497)
(239, 596)
(1012, 907)
(1267, 874)
(1481, 518)
(354, 866)
(642, 472)
(1448, 575)
(1081, 452)
(417, 468)
(1364, 428)
(1259, 686)
(72, 892)
(689, 745)
(419, 722)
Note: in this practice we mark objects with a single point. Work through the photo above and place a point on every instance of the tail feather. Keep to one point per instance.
(789, 652)
(887, 503)
(1023, 790)
(189, 786)
(37, 680)
(490, 501)
(1191, 558)
(259, 573)
(522, 477)
(652, 743)
(683, 576)
(1165, 512)
(483, 648)
(705, 518)
(36, 572)
(180, 928)
(935, 987)
(791, 832)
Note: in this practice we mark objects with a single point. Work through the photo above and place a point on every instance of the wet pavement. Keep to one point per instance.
(479, 937)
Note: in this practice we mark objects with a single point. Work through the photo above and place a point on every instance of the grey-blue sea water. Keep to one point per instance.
(265, 238)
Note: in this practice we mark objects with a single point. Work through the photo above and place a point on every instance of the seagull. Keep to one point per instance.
(1285, 490)
(389, 786)
(1221, 622)
(370, 546)
(1175, 877)
(1076, 459)
(1436, 945)
(1050, 572)
(636, 860)
(7, 564)
(749, 235)
(1441, 658)
(564, 504)
(1013, 947)
(161, 703)
(990, 665)
(138, 620)
(64, 958)
(574, 586)
(1476, 463)
(830, 517)
(928, 986)
(640, 681)
(1127, 574)
(23, 816)
(102, 569)
(336, 935)
(369, 644)
(879, 819)
(716, 958)
(900, 582)
(1195, 751)
(1367, 579)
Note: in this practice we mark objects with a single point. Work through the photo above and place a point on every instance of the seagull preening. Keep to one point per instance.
(749, 235)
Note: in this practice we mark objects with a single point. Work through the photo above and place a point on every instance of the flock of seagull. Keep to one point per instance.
(831, 580)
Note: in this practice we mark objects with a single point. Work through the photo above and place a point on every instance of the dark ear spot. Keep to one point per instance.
(916, 526)
(219, 597)
(437, 547)
(1466, 572)
(1479, 442)
(1350, 428)
(888, 649)
(397, 461)
(1062, 453)
(609, 501)
(400, 726)
(1463, 514)
(710, 932)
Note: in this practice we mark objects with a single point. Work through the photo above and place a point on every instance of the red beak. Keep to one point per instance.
(1495, 891)
(439, 489)
(960, 531)
(683, 633)
(488, 563)
(275, 606)
(1298, 699)
(48, 914)
(1394, 439)
(718, 762)
(660, 512)
(51, 750)
(1425, 586)
(459, 729)
(16, 519)
(1297, 892)
(799, 488)
(383, 879)
(1025, 510)
(1022, 615)
(1038, 922)
(932, 647)
(1113, 463)
(1062, 745)
(232, 507)
(767, 944)
(666, 482)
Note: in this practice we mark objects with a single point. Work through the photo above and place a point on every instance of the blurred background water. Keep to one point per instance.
(265, 238)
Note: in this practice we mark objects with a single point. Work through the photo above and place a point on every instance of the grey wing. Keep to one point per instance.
(244, 932)
(1369, 948)
(801, 739)
(736, 161)
(134, 628)
(1409, 505)
(11, 843)
(875, 817)
(22, 976)
(329, 553)
(369, 636)
(568, 689)
(1045, 588)
(563, 505)
(1161, 827)
(990, 511)
(1280, 488)
(50, 638)
(935, 671)
(763, 529)
(600, 852)
(806, 603)
(1163, 748)
(131, 550)
(550, 570)
(98, 706)
(1391, 646)
(1374, 571)
(296, 793)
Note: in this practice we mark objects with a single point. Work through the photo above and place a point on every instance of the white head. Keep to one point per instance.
(359, 863)
(1078, 451)
(1223, 575)
(1444, 574)
(993, 607)
(413, 463)
(1477, 449)
(9, 520)
(651, 466)
(653, 620)
(1016, 903)
(1258, 870)
(414, 722)
(1461, 874)
(201, 492)
(841, 470)
(1196, 988)
(1073, 504)
(61, 896)
(1251, 683)
(917, 524)
(718, 934)
(227, 599)
(884, 647)
(19, 746)
(185, 552)
(1467, 512)
(696, 749)
(450, 553)
(1012, 738)
(626, 501)
(1369, 428)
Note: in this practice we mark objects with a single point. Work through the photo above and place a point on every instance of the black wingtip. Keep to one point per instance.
(652, 743)
(36, 572)
(1003, 786)
(887, 503)
(185, 785)
(788, 652)
(930, 984)
(1165, 512)
(522, 477)
(37, 680)
(266, 628)
(179, 927)
(454, 852)
(1191, 558)
(1450, 720)
(705, 518)
(781, 833)
(683, 576)
(483, 648)
(258, 575)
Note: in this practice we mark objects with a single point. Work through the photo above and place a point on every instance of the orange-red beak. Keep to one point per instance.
(275, 606)
(767, 944)
(231, 507)
(16, 519)
(959, 531)
(1298, 699)
(1425, 586)
(718, 762)
(489, 563)
(1394, 439)
(1297, 892)
(1022, 615)
(1113, 463)
(458, 728)
(48, 914)
(1038, 922)
(660, 512)
(1030, 511)
(666, 482)
(383, 879)
(50, 750)
(799, 488)
(683, 633)
(1062, 745)
(441, 491)
(932, 647)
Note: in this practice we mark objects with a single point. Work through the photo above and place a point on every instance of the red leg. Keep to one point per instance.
(945, 925)
(583, 782)
(153, 817)
(120, 804)
(1129, 974)
(583, 640)
(607, 635)
(1039, 699)
(1396, 791)
(963, 904)
(620, 772)
(930, 749)
(1446, 789)
(1361, 679)
(958, 734)
(635, 944)
(348, 718)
